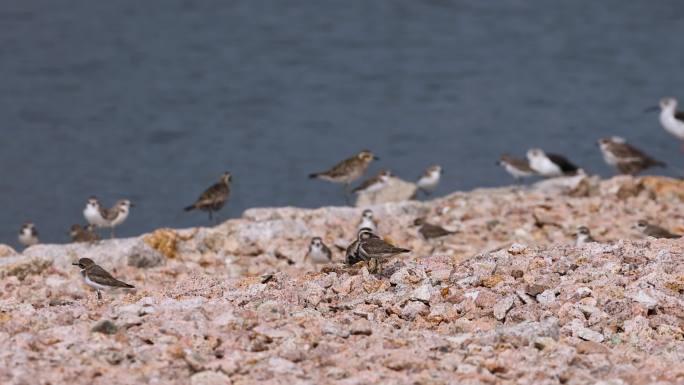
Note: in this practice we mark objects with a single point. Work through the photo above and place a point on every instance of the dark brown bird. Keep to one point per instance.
(429, 231)
(347, 170)
(97, 277)
(215, 197)
(654, 231)
(626, 158)
(79, 234)
(373, 249)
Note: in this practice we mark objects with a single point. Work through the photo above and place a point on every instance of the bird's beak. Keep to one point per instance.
(375, 158)
(132, 205)
(75, 263)
(652, 109)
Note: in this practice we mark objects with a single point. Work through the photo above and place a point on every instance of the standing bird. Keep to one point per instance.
(654, 231)
(93, 212)
(430, 179)
(367, 221)
(116, 215)
(375, 183)
(518, 168)
(583, 236)
(352, 255)
(28, 235)
(671, 119)
(627, 159)
(347, 170)
(318, 251)
(373, 250)
(97, 277)
(429, 231)
(213, 198)
(80, 233)
(550, 165)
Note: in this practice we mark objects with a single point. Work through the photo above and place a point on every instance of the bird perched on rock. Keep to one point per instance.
(28, 235)
(373, 249)
(430, 179)
(80, 233)
(347, 170)
(374, 184)
(213, 198)
(367, 221)
(654, 231)
(352, 255)
(518, 168)
(550, 165)
(583, 236)
(626, 158)
(429, 231)
(318, 251)
(116, 215)
(97, 277)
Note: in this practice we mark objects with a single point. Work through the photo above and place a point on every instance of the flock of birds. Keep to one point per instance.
(368, 246)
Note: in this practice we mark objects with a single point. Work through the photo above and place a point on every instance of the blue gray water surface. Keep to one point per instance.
(152, 100)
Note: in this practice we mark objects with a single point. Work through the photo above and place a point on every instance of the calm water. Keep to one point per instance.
(152, 100)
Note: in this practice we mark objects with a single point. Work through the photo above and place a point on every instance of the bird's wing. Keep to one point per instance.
(629, 153)
(679, 115)
(341, 168)
(101, 276)
(562, 162)
(378, 247)
(218, 192)
(366, 183)
(520, 164)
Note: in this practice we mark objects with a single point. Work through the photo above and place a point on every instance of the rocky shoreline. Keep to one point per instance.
(506, 299)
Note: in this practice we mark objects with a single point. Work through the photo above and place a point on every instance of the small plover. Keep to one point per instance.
(671, 119)
(80, 233)
(627, 159)
(654, 231)
(550, 165)
(429, 231)
(367, 221)
(97, 277)
(430, 179)
(374, 184)
(28, 235)
(347, 170)
(352, 253)
(373, 249)
(215, 197)
(116, 215)
(318, 251)
(93, 212)
(518, 168)
(583, 236)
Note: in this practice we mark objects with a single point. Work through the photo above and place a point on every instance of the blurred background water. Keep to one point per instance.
(152, 100)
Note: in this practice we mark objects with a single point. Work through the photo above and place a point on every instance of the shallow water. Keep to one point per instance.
(153, 100)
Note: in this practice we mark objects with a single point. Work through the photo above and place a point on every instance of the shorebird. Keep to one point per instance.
(429, 231)
(318, 251)
(374, 184)
(93, 212)
(671, 119)
(627, 159)
(430, 179)
(213, 198)
(373, 250)
(28, 235)
(80, 233)
(352, 255)
(583, 236)
(97, 277)
(367, 221)
(117, 214)
(550, 165)
(518, 168)
(654, 231)
(347, 170)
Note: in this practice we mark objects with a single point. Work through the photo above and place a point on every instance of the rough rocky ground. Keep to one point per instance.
(507, 299)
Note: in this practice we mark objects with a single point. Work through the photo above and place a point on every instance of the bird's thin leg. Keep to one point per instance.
(346, 193)
(99, 295)
(210, 216)
(112, 232)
